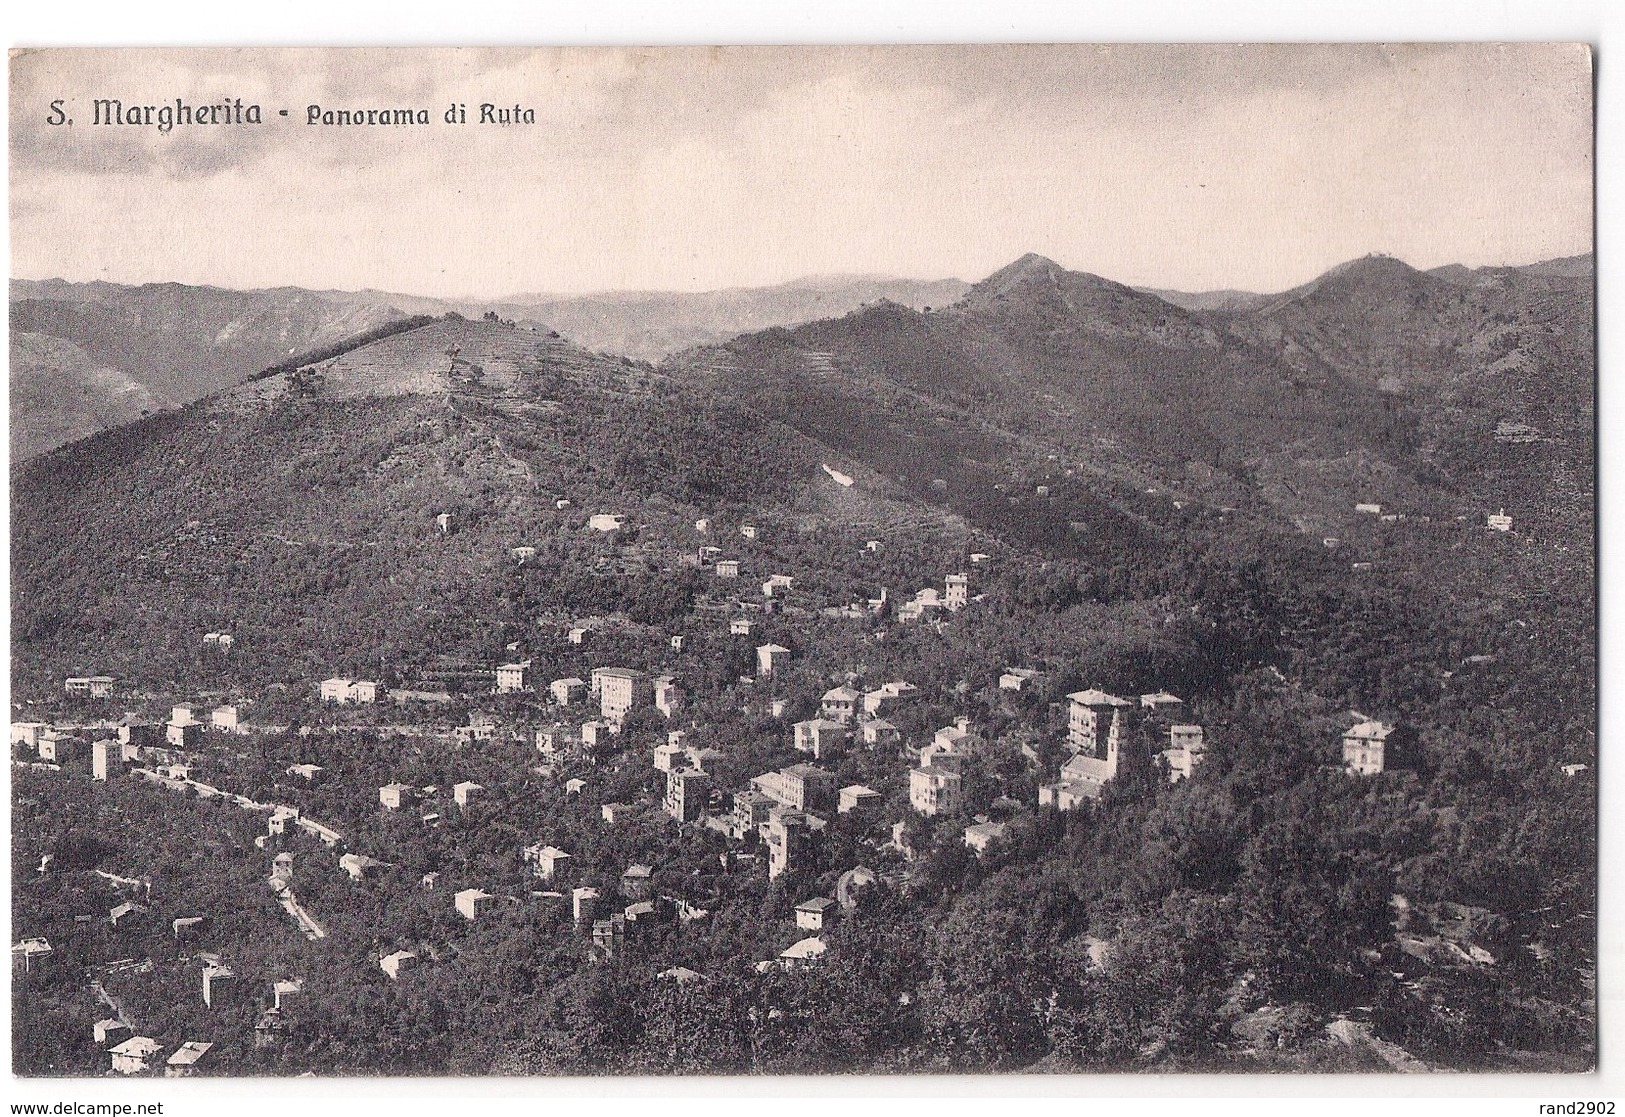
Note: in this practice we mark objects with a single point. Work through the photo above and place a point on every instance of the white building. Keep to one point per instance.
(567, 691)
(801, 786)
(1365, 747)
(583, 902)
(958, 739)
(397, 963)
(621, 690)
(814, 914)
(1161, 703)
(687, 792)
(935, 789)
(840, 704)
(857, 797)
(668, 696)
(31, 952)
(769, 656)
(513, 677)
(1066, 795)
(1186, 747)
(1085, 775)
(396, 795)
(546, 860)
(105, 758)
(982, 835)
(788, 836)
(879, 733)
(134, 1055)
(346, 692)
(183, 1062)
(1016, 678)
(358, 865)
(28, 733)
(182, 736)
(90, 686)
(1097, 722)
(820, 737)
(803, 952)
(471, 903)
(883, 698)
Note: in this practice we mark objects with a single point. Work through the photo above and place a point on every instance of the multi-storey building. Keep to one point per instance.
(621, 690)
(686, 792)
(800, 786)
(789, 841)
(1098, 722)
(936, 788)
(1365, 748)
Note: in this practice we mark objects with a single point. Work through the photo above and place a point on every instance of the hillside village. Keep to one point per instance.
(619, 728)
(460, 701)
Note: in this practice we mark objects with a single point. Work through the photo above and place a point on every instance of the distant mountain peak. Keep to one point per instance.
(1375, 276)
(1035, 280)
(1033, 259)
(1031, 272)
(1029, 266)
(1373, 264)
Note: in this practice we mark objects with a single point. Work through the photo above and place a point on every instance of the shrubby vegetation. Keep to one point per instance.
(1220, 923)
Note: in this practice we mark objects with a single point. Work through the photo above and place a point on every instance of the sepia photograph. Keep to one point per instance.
(1049, 560)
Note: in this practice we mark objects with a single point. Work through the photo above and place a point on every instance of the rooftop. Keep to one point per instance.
(1094, 697)
(189, 1052)
(810, 947)
(140, 1046)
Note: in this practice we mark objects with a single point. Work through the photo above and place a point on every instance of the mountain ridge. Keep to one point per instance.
(181, 342)
(177, 342)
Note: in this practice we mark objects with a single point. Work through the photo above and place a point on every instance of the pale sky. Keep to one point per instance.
(691, 169)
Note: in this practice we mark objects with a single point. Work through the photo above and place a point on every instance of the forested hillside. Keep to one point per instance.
(89, 356)
(1141, 498)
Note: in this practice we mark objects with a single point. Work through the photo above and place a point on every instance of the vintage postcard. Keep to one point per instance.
(803, 560)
